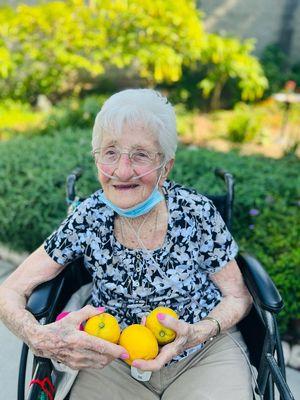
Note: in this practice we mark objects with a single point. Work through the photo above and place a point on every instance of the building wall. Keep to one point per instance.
(295, 49)
(268, 21)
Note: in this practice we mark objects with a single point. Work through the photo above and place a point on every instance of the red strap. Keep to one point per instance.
(42, 384)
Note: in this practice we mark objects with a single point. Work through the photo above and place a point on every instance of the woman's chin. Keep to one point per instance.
(123, 200)
(125, 206)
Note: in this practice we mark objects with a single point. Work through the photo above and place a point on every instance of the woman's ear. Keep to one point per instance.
(165, 171)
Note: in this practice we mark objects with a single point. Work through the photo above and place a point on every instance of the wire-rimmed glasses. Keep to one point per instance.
(138, 157)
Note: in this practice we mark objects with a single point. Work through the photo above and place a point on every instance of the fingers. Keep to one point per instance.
(165, 355)
(104, 347)
(86, 351)
(170, 322)
(82, 358)
(85, 313)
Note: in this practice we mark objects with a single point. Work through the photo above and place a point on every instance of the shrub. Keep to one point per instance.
(64, 47)
(277, 69)
(60, 48)
(244, 125)
(73, 112)
(274, 63)
(228, 58)
(17, 117)
(32, 193)
(185, 120)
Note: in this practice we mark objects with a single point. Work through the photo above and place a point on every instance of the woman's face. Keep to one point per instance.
(121, 188)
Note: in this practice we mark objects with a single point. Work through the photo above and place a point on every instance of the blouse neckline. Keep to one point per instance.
(139, 250)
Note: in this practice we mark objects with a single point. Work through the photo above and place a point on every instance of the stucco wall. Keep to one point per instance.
(265, 20)
(295, 49)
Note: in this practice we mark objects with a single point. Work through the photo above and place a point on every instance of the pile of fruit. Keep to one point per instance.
(141, 342)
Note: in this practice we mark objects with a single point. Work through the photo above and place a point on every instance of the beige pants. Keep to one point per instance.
(217, 372)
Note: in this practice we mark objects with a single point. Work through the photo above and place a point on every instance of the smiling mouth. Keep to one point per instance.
(126, 186)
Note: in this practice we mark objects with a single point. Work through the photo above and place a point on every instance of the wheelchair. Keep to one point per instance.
(259, 328)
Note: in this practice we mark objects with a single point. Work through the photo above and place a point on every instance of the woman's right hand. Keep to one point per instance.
(62, 341)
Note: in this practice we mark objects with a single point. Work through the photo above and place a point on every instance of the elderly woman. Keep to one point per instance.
(146, 241)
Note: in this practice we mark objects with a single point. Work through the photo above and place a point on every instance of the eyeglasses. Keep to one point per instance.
(138, 157)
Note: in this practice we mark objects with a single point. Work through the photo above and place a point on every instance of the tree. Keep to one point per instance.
(228, 58)
(51, 48)
(62, 47)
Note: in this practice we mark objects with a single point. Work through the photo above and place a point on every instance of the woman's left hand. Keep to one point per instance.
(187, 336)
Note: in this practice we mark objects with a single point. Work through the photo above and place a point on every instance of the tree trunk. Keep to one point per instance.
(215, 102)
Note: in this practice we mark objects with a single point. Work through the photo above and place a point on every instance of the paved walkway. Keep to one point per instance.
(11, 350)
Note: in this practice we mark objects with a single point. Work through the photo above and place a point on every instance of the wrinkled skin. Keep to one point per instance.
(62, 341)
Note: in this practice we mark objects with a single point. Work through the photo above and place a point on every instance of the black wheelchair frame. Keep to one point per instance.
(259, 328)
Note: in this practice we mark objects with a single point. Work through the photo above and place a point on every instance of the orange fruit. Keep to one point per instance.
(139, 342)
(104, 326)
(163, 335)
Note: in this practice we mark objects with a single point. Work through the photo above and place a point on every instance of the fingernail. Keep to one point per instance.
(124, 356)
(81, 327)
(161, 316)
(101, 309)
(62, 315)
(135, 364)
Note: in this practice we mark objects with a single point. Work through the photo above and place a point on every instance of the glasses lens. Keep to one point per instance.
(109, 155)
(141, 157)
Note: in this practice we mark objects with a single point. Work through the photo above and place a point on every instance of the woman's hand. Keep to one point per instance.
(62, 341)
(187, 336)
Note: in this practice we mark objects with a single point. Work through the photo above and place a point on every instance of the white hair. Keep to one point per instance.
(132, 106)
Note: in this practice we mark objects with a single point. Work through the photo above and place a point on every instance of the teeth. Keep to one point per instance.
(126, 187)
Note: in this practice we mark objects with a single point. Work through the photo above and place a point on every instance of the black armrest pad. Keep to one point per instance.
(50, 297)
(259, 283)
(43, 299)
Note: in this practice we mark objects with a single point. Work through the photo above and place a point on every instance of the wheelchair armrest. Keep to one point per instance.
(43, 299)
(50, 297)
(259, 284)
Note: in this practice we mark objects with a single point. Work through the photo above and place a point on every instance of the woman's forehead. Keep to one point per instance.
(139, 137)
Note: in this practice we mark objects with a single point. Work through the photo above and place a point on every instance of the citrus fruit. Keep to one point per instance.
(104, 326)
(163, 335)
(139, 342)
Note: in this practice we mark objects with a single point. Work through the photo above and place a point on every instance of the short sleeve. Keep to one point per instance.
(217, 246)
(66, 243)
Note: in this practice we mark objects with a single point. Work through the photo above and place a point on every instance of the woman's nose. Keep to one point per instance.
(124, 169)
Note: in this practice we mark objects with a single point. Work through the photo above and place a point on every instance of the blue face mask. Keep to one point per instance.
(139, 209)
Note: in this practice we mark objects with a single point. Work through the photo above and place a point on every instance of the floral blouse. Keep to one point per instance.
(132, 282)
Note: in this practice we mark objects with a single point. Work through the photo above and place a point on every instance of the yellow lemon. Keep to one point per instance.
(104, 326)
(139, 342)
(163, 335)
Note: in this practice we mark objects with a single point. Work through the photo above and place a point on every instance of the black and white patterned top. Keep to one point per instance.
(132, 282)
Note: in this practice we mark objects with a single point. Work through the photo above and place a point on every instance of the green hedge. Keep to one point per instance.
(32, 193)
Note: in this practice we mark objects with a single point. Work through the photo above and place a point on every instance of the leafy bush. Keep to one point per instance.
(32, 193)
(70, 47)
(185, 120)
(73, 112)
(64, 47)
(18, 117)
(274, 63)
(278, 69)
(227, 58)
(244, 125)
